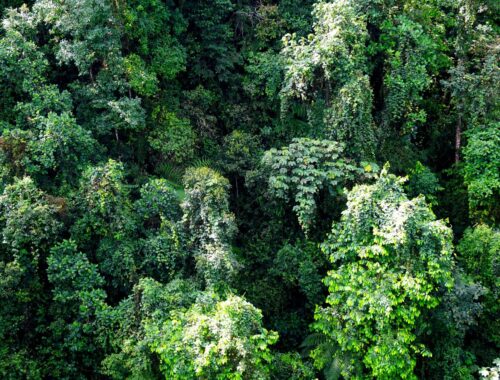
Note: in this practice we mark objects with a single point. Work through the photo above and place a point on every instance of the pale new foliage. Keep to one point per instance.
(335, 49)
(214, 339)
(209, 223)
(491, 373)
(330, 65)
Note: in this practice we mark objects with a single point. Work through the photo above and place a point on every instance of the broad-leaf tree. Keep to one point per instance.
(391, 260)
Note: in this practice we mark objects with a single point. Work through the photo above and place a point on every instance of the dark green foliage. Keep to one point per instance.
(301, 267)
(78, 299)
(124, 326)
(29, 221)
(451, 323)
(481, 174)
(158, 199)
(479, 252)
(241, 152)
(213, 55)
(290, 366)
(423, 181)
(102, 199)
(191, 189)
(172, 137)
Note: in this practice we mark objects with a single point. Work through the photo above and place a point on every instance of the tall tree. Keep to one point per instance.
(392, 260)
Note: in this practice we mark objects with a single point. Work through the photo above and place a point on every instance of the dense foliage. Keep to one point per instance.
(192, 189)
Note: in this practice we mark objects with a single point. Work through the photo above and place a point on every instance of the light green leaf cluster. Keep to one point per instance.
(302, 169)
(491, 373)
(141, 80)
(330, 66)
(391, 258)
(214, 338)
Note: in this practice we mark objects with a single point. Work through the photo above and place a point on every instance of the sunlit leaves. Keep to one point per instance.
(330, 67)
(390, 259)
(141, 80)
(209, 223)
(334, 50)
(302, 169)
(214, 338)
